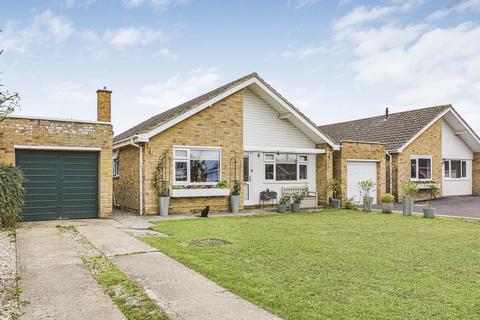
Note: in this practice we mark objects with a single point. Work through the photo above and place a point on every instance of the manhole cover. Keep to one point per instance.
(206, 243)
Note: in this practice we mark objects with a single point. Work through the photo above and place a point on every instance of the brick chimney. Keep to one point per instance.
(104, 105)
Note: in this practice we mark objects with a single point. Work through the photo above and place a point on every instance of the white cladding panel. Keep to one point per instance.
(358, 171)
(453, 146)
(262, 127)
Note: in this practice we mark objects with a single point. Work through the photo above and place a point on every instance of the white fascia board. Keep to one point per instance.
(124, 142)
(229, 92)
(66, 148)
(283, 149)
(425, 128)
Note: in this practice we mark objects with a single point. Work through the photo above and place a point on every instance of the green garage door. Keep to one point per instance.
(59, 184)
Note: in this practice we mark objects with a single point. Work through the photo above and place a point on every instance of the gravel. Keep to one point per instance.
(9, 308)
(78, 242)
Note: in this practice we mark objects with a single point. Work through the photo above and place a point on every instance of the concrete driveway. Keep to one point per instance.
(465, 206)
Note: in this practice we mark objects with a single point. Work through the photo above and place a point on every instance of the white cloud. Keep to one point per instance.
(304, 52)
(157, 5)
(167, 54)
(69, 91)
(179, 89)
(78, 3)
(463, 6)
(45, 28)
(298, 4)
(132, 36)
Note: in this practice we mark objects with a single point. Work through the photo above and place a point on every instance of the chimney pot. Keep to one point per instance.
(386, 113)
(104, 105)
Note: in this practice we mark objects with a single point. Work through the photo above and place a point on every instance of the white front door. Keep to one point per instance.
(358, 171)
(247, 180)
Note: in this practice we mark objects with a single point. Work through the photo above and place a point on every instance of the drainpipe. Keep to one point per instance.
(140, 165)
(390, 172)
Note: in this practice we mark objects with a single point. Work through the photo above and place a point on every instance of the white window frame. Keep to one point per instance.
(116, 165)
(417, 158)
(187, 160)
(274, 163)
(449, 161)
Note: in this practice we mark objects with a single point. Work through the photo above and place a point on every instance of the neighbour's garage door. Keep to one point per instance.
(59, 184)
(358, 171)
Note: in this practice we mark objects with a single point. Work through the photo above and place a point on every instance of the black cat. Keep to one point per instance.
(205, 212)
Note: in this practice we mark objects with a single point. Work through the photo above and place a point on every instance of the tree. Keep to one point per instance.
(8, 100)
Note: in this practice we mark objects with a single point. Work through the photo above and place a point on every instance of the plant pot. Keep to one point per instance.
(429, 212)
(163, 204)
(367, 204)
(336, 203)
(281, 208)
(295, 207)
(234, 203)
(408, 204)
(387, 207)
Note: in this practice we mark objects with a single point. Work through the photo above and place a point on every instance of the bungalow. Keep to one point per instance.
(430, 145)
(243, 132)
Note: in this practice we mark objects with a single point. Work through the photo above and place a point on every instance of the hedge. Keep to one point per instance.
(11, 195)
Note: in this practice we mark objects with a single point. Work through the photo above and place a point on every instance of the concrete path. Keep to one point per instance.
(180, 291)
(54, 280)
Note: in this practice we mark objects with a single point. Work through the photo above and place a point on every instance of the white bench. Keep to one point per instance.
(311, 197)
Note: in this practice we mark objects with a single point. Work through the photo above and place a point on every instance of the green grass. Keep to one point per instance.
(130, 299)
(338, 264)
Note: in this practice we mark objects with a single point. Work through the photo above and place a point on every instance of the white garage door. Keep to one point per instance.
(358, 171)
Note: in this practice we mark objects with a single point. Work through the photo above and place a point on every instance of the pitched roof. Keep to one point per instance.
(394, 132)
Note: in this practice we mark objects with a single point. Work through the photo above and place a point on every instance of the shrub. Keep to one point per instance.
(335, 186)
(236, 188)
(388, 198)
(298, 197)
(366, 187)
(349, 204)
(409, 189)
(11, 195)
(222, 184)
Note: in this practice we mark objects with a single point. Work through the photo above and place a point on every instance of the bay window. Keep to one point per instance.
(421, 168)
(196, 165)
(285, 167)
(455, 169)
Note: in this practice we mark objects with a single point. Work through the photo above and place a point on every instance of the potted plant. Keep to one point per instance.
(163, 191)
(297, 199)
(235, 197)
(366, 189)
(282, 204)
(387, 203)
(429, 211)
(433, 189)
(409, 189)
(335, 186)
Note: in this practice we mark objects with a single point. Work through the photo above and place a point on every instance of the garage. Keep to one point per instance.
(59, 184)
(358, 171)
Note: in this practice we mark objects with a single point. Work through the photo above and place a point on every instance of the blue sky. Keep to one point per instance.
(335, 60)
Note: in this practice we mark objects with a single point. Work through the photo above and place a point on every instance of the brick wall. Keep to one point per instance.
(428, 143)
(126, 186)
(36, 132)
(476, 174)
(220, 125)
(104, 109)
(324, 172)
(360, 151)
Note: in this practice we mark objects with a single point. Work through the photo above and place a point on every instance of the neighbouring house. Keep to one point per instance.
(67, 163)
(430, 145)
(243, 131)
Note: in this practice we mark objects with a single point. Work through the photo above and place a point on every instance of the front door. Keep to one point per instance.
(247, 180)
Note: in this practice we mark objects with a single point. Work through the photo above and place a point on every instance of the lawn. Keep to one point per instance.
(337, 264)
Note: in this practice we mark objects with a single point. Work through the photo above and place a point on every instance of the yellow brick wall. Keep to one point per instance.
(104, 105)
(35, 132)
(360, 151)
(428, 143)
(126, 186)
(476, 174)
(324, 171)
(220, 125)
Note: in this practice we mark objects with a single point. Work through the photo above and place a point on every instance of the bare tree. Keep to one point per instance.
(9, 101)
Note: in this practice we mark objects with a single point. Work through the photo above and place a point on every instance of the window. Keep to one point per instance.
(196, 165)
(455, 169)
(421, 168)
(116, 164)
(285, 167)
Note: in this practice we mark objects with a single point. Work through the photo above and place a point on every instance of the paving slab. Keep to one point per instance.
(184, 293)
(112, 241)
(55, 282)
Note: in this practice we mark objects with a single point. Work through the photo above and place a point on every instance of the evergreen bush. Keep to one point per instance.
(11, 195)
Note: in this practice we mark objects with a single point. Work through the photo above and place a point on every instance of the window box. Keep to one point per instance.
(207, 192)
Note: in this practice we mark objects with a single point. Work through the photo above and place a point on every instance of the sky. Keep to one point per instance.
(334, 60)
